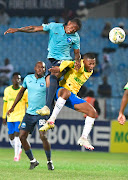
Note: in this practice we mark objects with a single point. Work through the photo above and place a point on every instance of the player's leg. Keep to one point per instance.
(51, 87)
(27, 126)
(11, 135)
(18, 149)
(47, 148)
(62, 95)
(88, 109)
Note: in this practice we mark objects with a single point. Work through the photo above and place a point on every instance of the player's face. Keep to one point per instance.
(71, 28)
(89, 64)
(40, 69)
(16, 80)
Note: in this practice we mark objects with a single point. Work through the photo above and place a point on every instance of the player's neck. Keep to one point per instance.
(15, 87)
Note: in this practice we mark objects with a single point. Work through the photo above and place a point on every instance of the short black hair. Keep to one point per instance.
(77, 21)
(16, 73)
(89, 55)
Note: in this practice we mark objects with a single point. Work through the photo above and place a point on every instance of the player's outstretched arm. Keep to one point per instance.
(18, 98)
(121, 117)
(27, 29)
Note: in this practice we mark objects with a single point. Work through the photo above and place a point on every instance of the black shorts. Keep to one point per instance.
(29, 122)
(51, 62)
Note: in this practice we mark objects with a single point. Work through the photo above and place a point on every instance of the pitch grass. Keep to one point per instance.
(69, 165)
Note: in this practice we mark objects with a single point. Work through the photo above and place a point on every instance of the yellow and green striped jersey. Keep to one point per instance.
(9, 98)
(73, 80)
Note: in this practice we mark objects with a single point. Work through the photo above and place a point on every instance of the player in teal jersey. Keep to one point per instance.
(121, 117)
(35, 83)
(61, 38)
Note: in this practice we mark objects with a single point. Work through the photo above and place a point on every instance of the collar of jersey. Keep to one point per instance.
(15, 89)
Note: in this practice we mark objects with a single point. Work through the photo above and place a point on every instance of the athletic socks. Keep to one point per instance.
(12, 142)
(88, 126)
(17, 146)
(29, 154)
(48, 154)
(58, 106)
(51, 90)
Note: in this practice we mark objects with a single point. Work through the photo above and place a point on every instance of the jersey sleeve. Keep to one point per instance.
(48, 27)
(66, 64)
(126, 86)
(4, 109)
(5, 98)
(25, 82)
(76, 43)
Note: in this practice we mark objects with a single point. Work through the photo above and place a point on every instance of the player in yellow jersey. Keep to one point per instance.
(14, 120)
(67, 95)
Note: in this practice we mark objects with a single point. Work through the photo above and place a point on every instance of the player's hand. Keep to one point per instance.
(77, 65)
(10, 30)
(10, 111)
(4, 121)
(54, 69)
(121, 119)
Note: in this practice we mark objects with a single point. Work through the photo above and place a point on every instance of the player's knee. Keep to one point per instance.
(92, 113)
(43, 136)
(22, 137)
(65, 94)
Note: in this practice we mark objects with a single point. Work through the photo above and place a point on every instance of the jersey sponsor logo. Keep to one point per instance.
(69, 40)
(42, 84)
(23, 125)
(42, 122)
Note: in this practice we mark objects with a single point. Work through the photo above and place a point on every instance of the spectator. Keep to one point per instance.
(91, 100)
(6, 72)
(104, 90)
(123, 44)
(67, 15)
(121, 25)
(4, 18)
(106, 30)
(82, 11)
(106, 65)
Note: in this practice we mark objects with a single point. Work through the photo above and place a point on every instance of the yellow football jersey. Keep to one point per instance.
(73, 80)
(9, 98)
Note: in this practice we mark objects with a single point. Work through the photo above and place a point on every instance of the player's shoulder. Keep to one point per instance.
(56, 25)
(8, 88)
(29, 76)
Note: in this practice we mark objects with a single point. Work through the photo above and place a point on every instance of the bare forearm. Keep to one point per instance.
(77, 57)
(18, 98)
(27, 29)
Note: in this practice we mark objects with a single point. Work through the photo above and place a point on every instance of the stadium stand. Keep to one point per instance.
(25, 49)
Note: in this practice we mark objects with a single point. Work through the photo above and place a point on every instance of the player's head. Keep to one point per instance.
(73, 26)
(39, 69)
(16, 79)
(89, 61)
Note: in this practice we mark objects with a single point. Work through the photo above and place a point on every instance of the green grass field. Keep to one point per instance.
(69, 165)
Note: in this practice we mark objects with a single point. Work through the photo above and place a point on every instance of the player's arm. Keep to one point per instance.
(27, 29)
(18, 98)
(124, 102)
(4, 113)
(77, 59)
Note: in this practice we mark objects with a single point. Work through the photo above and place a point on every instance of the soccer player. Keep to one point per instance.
(36, 86)
(121, 117)
(14, 120)
(61, 38)
(66, 95)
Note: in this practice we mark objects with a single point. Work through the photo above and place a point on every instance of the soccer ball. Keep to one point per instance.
(117, 35)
